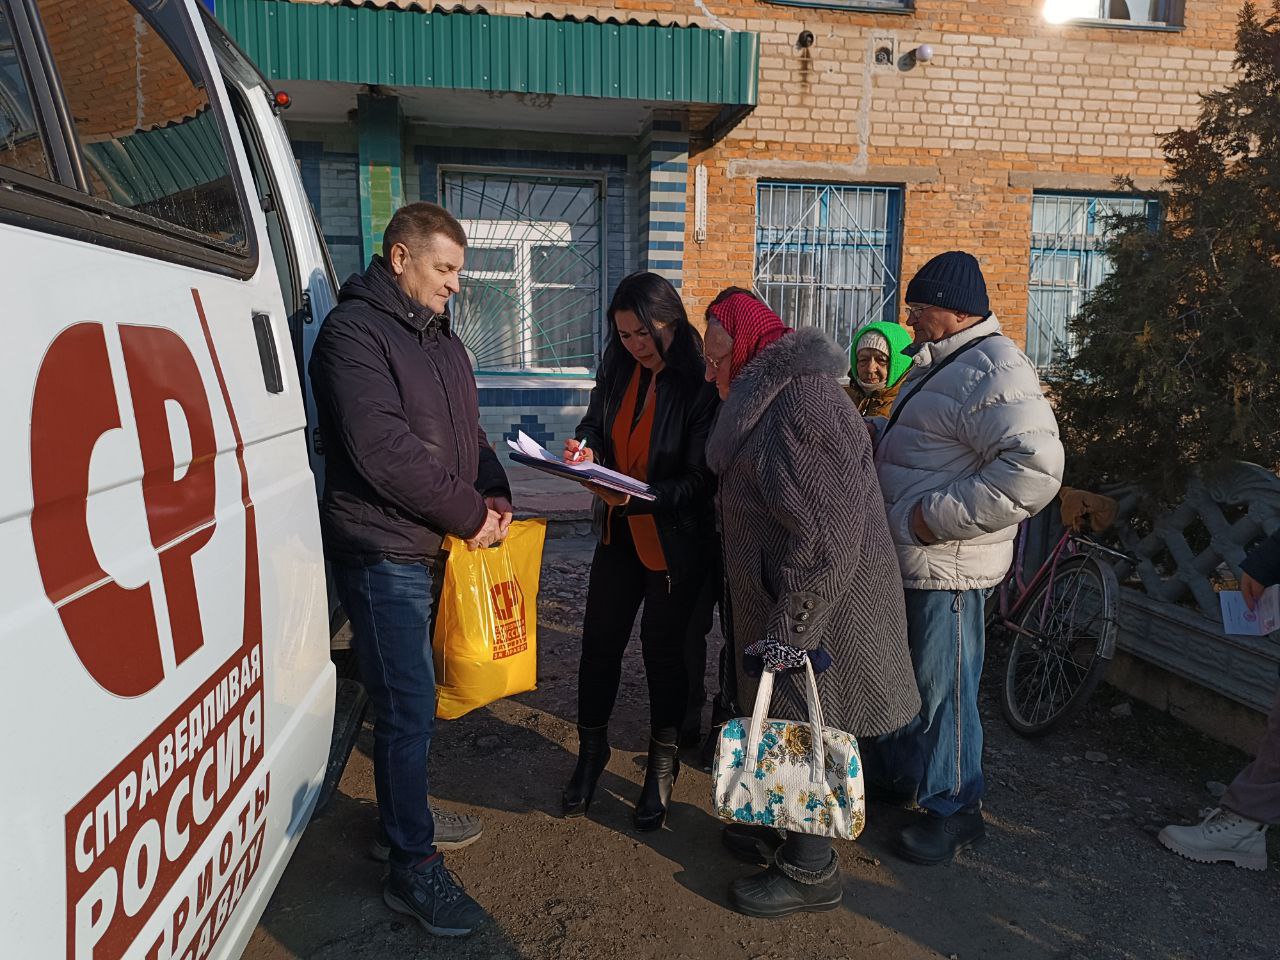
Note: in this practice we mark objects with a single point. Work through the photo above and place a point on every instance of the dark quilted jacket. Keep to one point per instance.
(806, 544)
(406, 460)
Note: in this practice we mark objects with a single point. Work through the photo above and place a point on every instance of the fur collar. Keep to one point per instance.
(808, 352)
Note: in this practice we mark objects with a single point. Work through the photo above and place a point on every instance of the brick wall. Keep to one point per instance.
(113, 95)
(1010, 104)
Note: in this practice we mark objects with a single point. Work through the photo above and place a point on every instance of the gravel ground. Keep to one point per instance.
(1070, 870)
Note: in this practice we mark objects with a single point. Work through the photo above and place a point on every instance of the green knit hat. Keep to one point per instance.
(899, 339)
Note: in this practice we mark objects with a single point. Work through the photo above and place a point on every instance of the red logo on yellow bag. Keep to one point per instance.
(510, 634)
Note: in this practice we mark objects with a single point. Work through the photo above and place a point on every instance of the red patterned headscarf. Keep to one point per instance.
(752, 325)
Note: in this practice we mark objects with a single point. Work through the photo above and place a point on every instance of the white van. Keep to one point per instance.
(167, 697)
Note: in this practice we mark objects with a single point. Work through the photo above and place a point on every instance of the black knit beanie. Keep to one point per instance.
(952, 280)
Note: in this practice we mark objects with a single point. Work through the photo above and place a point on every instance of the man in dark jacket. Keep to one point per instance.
(1236, 831)
(406, 462)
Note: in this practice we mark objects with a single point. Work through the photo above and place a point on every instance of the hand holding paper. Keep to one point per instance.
(1239, 619)
(526, 450)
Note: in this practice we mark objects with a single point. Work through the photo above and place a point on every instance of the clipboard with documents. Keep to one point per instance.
(526, 450)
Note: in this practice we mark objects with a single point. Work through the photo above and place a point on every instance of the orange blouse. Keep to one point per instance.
(631, 448)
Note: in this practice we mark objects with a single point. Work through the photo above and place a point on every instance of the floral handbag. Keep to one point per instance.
(787, 774)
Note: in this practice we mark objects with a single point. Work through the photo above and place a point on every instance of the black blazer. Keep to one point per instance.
(684, 512)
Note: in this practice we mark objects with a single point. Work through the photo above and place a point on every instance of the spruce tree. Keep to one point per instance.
(1178, 358)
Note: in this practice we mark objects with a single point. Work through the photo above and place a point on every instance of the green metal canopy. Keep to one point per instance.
(473, 50)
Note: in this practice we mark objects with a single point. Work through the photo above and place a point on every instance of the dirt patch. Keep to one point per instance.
(1070, 870)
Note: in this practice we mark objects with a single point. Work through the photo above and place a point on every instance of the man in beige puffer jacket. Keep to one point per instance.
(969, 451)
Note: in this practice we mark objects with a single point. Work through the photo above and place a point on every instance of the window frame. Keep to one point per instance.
(65, 208)
(905, 8)
(1176, 22)
(1154, 212)
(894, 244)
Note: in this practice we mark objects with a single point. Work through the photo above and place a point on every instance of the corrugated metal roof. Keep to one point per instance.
(414, 5)
(473, 50)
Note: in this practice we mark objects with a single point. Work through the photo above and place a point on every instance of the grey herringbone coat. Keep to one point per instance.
(807, 550)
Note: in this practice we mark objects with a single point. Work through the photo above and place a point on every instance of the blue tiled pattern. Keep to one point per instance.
(660, 226)
(531, 427)
(534, 397)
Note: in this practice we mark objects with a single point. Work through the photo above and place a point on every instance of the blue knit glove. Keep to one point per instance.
(776, 656)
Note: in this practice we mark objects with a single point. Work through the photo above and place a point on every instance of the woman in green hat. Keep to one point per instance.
(878, 366)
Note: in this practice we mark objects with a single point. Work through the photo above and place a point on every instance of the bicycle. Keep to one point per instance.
(1062, 624)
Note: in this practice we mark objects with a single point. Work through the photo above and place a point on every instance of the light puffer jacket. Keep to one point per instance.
(977, 447)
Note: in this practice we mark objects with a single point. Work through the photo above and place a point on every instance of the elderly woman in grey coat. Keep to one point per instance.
(810, 566)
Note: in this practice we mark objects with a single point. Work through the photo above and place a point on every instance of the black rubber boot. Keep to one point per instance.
(593, 756)
(659, 777)
(932, 839)
(783, 890)
(750, 842)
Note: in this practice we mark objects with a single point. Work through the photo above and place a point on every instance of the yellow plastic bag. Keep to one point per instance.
(485, 644)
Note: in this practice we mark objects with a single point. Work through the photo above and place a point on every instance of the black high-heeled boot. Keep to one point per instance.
(659, 777)
(593, 757)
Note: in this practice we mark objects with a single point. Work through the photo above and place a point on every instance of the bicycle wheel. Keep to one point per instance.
(1060, 643)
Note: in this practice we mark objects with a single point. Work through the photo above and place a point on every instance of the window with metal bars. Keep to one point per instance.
(531, 297)
(828, 255)
(1067, 262)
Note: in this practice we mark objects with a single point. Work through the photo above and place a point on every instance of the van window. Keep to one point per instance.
(20, 145)
(146, 129)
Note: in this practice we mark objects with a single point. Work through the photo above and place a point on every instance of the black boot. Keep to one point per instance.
(784, 889)
(932, 839)
(659, 777)
(752, 843)
(707, 755)
(593, 756)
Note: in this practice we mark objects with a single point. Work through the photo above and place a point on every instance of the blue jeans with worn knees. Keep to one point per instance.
(390, 609)
(940, 751)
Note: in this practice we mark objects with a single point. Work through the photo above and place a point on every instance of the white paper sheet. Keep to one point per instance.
(1238, 619)
(588, 472)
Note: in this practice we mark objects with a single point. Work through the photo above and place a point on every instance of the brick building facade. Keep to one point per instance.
(813, 150)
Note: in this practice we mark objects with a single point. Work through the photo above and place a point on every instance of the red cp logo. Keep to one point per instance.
(507, 600)
(113, 628)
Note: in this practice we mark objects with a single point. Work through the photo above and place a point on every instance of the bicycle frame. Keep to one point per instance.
(1006, 612)
(1068, 545)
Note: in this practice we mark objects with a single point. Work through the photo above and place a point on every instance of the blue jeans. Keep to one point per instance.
(390, 606)
(940, 751)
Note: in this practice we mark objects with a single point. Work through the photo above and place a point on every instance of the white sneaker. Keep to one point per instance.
(1221, 836)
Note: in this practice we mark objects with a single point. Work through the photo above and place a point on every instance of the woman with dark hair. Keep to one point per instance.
(811, 572)
(649, 417)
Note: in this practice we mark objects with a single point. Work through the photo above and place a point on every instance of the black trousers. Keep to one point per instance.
(619, 583)
(701, 621)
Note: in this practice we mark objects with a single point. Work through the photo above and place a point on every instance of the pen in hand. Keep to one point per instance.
(580, 454)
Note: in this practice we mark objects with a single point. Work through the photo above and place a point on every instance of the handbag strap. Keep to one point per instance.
(764, 697)
(818, 764)
(929, 375)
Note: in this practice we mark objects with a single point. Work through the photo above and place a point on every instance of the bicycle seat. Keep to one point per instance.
(1084, 510)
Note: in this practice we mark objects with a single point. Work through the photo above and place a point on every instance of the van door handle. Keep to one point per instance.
(266, 337)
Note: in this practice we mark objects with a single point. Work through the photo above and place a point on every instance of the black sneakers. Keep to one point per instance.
(453, 832)
(434, 897)
(933, 839)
